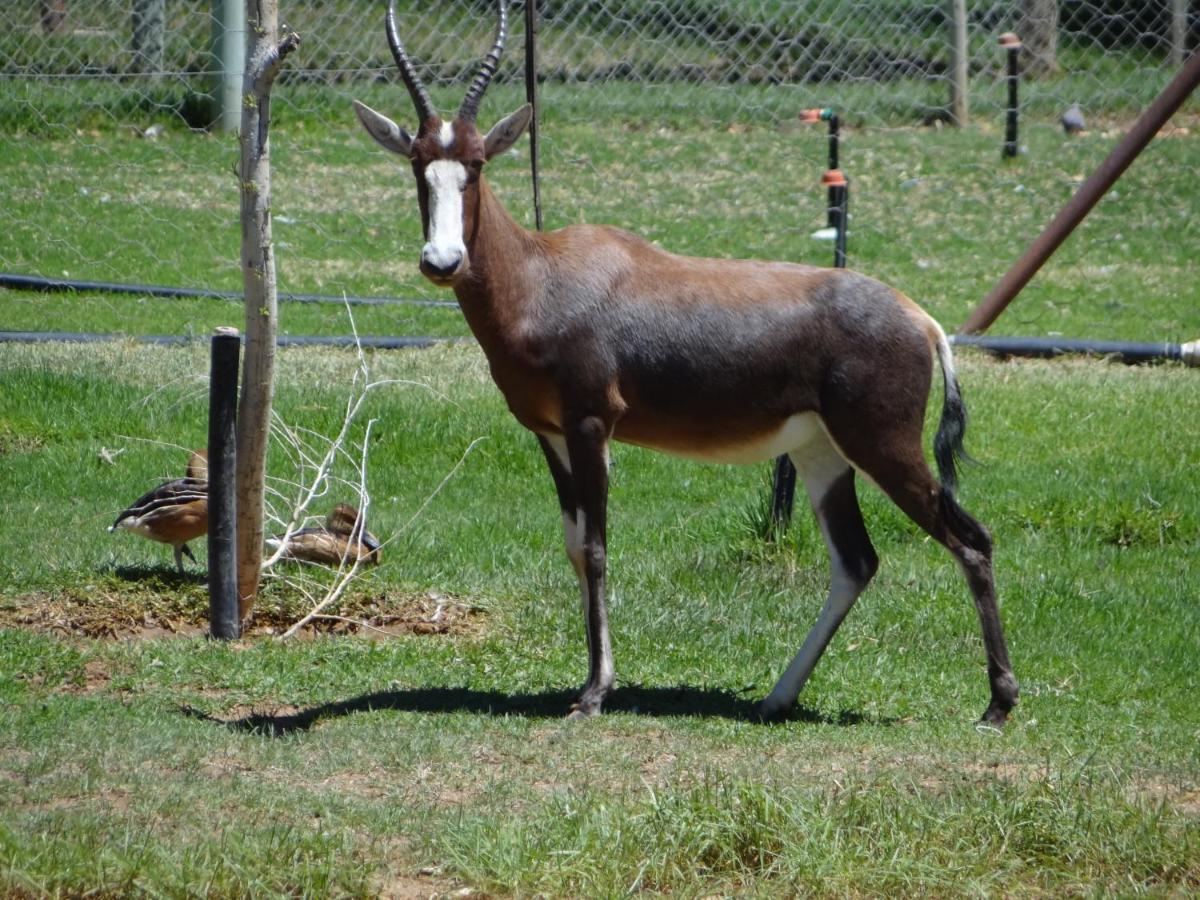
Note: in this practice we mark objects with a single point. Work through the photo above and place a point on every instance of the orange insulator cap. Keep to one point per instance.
(810, 115)
(834, 178)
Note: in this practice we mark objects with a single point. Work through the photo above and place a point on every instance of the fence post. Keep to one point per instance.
(229, 60)
(223, 620)
(1012, 47)
(1038, 27)
(531, 96)
(1179, 32)
(148, 32)
(959, 104)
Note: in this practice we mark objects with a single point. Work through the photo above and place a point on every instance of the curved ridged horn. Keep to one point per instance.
(470, 104)
(416, 89)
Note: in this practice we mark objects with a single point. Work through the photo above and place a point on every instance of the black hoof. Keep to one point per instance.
(588, 705)
(767, 714)
(995, 716)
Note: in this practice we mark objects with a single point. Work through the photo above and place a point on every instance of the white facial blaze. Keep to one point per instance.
(446, 180)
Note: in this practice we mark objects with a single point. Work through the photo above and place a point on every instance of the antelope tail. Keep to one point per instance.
(948, 442)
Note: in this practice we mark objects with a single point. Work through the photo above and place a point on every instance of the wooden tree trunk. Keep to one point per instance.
(1038, 31)
(264, 58)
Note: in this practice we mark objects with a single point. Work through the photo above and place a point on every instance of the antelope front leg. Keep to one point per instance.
(587, 453)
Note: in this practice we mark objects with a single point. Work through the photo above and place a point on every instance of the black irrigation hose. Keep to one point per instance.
(284, 340)
(53, 285)
(1125, 351)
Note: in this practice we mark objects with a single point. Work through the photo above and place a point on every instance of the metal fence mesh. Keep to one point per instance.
(99, 77)
(898, 49)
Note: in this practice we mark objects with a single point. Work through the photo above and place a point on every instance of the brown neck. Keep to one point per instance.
(502, 257)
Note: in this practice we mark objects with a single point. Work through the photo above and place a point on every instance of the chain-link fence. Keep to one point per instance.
(118, 80)
(115, 55)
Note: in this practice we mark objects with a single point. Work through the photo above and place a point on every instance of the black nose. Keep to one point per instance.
(440, 270)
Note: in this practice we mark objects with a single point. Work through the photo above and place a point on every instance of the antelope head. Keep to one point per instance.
(447, 156)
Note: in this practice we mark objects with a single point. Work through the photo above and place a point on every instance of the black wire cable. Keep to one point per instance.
(67, 285)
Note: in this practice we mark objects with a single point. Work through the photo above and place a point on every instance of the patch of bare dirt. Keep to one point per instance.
(400, 880)
(386, 613)
(96, 676)
(161, 607)
(1189, 803)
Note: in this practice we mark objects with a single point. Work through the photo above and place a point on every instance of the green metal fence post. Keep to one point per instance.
(229, 61)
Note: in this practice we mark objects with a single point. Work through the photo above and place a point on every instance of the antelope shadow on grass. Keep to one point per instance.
(644, 701)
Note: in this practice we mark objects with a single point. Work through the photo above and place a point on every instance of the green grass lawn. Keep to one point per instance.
(413, 763)
(428, 754)
(934, 212)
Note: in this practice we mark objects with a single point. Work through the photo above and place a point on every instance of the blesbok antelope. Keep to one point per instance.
(594, 334)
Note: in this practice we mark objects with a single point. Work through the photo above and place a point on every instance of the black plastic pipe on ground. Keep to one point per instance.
(1124, 351)
(223, 619)
(41, 284)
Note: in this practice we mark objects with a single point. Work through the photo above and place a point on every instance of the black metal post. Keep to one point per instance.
(783, 492)
(223, 619)
(839, 205)
(1012, 45)
(531, 96)
(811, 116)
(833, 162)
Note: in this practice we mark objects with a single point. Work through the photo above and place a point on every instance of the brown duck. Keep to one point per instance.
(333, 542)
(173, 513)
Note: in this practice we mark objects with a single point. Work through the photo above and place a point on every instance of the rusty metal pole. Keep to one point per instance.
(1088, 195)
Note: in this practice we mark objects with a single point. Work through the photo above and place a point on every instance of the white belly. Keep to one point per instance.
(796, 432)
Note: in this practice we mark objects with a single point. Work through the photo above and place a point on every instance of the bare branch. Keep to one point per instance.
(266, 65)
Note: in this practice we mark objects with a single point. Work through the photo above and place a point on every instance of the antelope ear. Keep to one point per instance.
(505, 132)
(387, 133)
